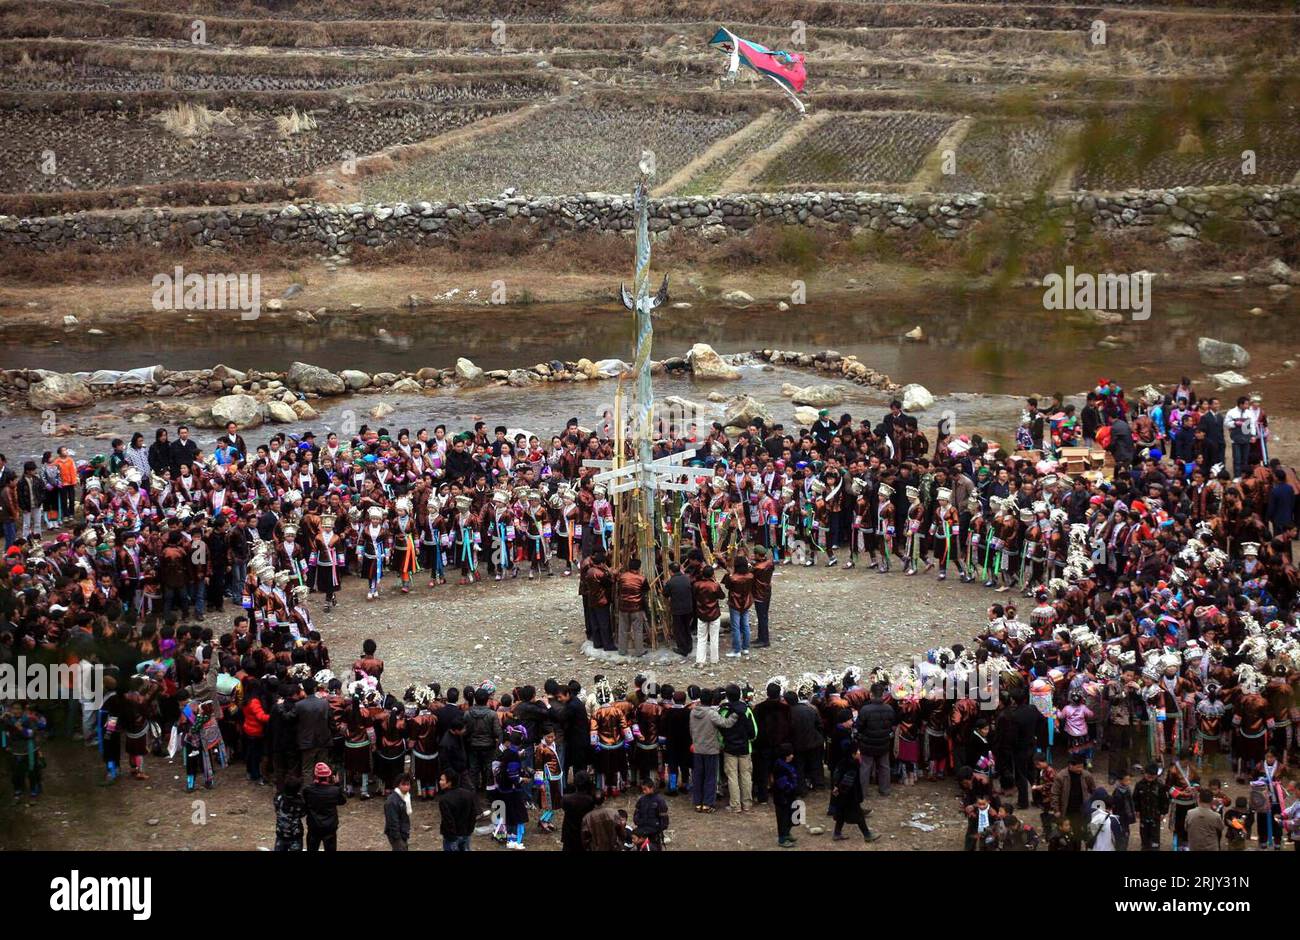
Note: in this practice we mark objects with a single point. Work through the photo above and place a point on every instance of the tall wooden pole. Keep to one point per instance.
(642, 303)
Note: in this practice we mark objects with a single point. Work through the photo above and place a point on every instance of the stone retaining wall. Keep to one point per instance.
(1181, 213)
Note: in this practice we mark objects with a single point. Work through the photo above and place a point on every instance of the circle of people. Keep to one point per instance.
(1162, 629)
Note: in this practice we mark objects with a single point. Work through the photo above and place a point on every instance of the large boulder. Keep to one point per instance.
(308, 378)
(744, 410)
(805, 415)
(58, 390)
(281, 413)
(707, 364)
(916, 397)
(354, 378)
(521, 378)
(304, 411)
(244, 410)
(406, 387)
(1221, 355)
(819, 396)
(381, 410)
(468, 374)
(738, 297)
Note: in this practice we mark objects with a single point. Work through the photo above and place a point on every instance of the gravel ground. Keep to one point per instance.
(518, 632)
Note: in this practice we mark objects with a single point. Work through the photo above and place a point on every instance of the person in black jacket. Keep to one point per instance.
(1090, 419)
(650, 817)
(160, 452)
(1024, 720)
(785, 788)
(267, 520)
(1281, 504)
(1211, 425)
(1076, 504)
(681, 599)
(737, 745)
(311, 715)
(232, 435)
(457, 809)
(449, 710)
(283, 738)
(183, 450)
(573, 726)
(323, 797)
(875, 736)
(1151, 803)
(1122, 447)
(461, 467)
(808, 739)
(846, 795)
(773, 718)
(577, 803)
(452, 756)
(397, 821)
(218, 565)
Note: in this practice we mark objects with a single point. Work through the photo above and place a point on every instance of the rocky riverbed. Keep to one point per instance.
(251, 398)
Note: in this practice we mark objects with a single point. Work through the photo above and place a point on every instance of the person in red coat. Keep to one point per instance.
(255, 717)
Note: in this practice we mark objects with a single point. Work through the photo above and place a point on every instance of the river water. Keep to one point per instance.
(980, 354)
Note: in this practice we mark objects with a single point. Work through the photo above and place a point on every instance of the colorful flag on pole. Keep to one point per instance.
(784, 68)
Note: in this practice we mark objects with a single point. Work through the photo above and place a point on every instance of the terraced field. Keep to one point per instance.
(133, 149)
(561, 150)
(1182, 157)
(858, 150)
(712, 176)
(88, 79)
(1008, 154)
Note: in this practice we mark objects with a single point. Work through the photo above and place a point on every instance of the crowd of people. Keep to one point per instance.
(1160, 591)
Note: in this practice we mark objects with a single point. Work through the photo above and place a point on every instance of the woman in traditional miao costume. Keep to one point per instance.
(374, 549)
(465, 538)
(432, 533)
(537, 534)
(390, 748)
(499, 521)
(326, 561)
(568, 527)
(423, 732)
(359, 735)
(402, 531)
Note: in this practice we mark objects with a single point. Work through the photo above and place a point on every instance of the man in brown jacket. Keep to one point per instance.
(602, 830)
(596, 588)
(1205, 826)
(173, 573)
(633, 595)
(1072, 794)
(739, 583)
(763, 570)
(708, 615)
